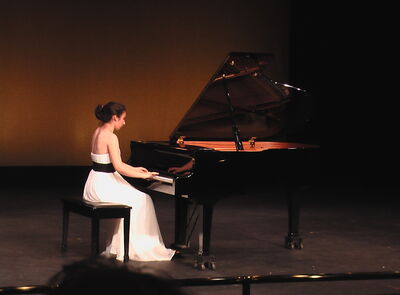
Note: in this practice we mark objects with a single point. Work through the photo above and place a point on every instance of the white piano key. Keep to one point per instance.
(164, 179)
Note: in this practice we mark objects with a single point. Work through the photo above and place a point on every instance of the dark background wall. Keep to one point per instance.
(346, 54)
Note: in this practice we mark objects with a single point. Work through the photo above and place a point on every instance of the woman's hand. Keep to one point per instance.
(146, 173)
(142, 169)
(149, 175)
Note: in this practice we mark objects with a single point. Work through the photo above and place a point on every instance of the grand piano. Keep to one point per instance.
(235, 133)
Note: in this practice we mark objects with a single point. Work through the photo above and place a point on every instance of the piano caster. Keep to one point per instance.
(203, 262)
(294, 243)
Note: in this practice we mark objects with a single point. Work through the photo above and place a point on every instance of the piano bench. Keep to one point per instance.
(95, 211)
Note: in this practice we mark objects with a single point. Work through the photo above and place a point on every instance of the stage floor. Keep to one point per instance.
(345, 228)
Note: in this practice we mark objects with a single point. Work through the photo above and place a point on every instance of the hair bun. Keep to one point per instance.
(105, 112)
(98, 112)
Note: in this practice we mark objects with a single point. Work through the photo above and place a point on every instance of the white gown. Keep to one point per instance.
(145, 240)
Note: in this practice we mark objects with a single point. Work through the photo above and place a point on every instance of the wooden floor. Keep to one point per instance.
(345, 228)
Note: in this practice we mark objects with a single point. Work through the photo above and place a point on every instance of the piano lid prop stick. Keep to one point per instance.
(235, 129)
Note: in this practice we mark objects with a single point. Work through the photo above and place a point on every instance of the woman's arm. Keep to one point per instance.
(121, 167)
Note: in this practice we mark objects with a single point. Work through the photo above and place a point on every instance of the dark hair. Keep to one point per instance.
(105, 112)
(104, 276)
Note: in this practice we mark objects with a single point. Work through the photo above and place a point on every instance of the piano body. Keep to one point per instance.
(233, 135)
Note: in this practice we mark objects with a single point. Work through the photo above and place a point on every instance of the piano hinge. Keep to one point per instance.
(252, 142)
(181, 141)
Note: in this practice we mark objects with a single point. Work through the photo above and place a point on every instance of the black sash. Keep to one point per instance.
(109, 168)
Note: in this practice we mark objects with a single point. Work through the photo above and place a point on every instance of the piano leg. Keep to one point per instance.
(181, 213)
(203, 258)
(293, 240)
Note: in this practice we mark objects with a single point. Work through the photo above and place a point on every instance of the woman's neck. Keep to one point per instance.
(108, 127)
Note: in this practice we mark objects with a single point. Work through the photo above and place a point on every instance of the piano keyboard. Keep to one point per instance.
(164, 184)
(164, 179)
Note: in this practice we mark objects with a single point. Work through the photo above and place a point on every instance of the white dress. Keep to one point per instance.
(145, 241)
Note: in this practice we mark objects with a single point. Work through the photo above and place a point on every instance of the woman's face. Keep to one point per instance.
(120, 121)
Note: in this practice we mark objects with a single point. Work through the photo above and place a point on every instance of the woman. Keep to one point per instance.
(106, 184)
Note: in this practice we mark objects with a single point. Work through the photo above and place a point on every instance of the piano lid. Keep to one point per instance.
(260, 105)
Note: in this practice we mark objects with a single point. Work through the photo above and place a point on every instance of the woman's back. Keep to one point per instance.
(100, 140)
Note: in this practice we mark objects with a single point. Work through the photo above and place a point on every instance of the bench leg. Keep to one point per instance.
(65, 229)
(95, 237)
(126, 237)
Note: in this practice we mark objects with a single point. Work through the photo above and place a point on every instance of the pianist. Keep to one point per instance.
(105, 184)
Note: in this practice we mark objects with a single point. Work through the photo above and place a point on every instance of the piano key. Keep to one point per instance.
(165, 179)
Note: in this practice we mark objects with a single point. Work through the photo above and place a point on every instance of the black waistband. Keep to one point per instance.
(103, 167)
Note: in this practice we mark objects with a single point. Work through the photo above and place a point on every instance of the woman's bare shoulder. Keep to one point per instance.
(103, 133)
(109, 137)
(101, 139)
